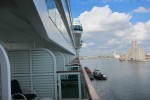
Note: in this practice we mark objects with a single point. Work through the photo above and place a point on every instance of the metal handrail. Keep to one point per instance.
(91, 90)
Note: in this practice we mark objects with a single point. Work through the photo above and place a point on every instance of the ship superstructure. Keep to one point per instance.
(38, 49)
(77, 32)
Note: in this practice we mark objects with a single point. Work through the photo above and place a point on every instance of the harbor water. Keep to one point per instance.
(126, 80)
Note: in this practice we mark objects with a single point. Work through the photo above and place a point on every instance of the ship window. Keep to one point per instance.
(77, 28)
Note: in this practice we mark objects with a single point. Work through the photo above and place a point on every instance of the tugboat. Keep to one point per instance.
(98, 75)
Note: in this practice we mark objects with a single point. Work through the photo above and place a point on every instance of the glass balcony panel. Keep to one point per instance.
(72, 68)
(69, 85)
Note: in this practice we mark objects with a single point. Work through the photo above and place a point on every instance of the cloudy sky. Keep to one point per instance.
(111, 25)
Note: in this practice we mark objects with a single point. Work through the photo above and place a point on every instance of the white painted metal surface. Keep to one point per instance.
(20, 67)
(66, 58)
(5, 75)
(44, 73)
(35, 69)
(60, 61)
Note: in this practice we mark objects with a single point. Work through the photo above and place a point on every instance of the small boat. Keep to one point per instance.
(90, 74)
(98, 75)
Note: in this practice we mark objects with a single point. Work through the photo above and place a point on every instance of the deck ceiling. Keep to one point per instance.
(14, 25)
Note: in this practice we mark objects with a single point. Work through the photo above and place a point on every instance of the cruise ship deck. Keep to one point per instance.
(39, 48)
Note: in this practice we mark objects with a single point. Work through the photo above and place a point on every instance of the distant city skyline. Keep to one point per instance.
(111, 25)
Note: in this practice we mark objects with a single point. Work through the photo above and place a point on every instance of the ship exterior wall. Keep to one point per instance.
(56, 30)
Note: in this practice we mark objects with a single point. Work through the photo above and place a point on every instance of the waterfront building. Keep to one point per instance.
(122, 57)
(116, 55)
(135, 52)
(38, 49)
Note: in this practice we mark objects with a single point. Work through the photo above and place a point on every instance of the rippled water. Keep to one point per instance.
(126, 80)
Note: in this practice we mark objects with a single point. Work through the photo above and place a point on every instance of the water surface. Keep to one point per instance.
(126, 80)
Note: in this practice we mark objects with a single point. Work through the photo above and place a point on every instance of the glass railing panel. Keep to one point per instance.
(69, 85)
(83, 88)
(72, 68)
(75, 85)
